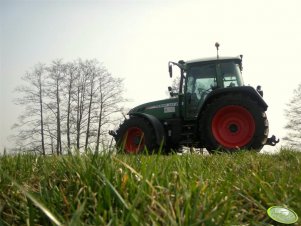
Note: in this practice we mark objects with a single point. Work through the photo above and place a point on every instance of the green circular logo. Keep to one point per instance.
(282, 215)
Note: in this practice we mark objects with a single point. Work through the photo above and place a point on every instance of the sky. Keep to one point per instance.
(136, 38)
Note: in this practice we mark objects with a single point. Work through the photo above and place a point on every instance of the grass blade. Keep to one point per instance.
(76, 216)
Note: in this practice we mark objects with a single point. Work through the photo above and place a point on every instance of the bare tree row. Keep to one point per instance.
(67, 105)
(293, 116)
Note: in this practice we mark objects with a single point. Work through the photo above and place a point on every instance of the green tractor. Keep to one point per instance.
(212, 109)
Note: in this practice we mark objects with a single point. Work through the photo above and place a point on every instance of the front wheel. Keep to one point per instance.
(135, 135)
(234, 122)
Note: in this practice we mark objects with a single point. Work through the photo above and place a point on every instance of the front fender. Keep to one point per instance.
(156, 124)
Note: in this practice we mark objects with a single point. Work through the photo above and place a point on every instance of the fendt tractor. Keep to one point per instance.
(212, 109)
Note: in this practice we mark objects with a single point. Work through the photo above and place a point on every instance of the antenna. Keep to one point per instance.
(217, 45)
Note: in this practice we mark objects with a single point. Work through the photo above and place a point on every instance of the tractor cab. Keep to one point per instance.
(202, 76)
(205, 76)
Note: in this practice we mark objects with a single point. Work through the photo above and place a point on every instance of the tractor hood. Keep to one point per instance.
(161, 109)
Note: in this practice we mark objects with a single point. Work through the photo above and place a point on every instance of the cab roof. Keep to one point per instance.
(203, 60)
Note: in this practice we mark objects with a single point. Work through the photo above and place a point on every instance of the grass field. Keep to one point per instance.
(87, 189)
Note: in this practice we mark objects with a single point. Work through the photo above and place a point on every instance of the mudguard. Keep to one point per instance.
(158, 128)
(245, 90)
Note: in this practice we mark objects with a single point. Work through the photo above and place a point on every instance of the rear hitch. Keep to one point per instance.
(272, 141)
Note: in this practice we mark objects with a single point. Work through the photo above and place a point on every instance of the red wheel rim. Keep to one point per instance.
(233, 126)
(134, 140)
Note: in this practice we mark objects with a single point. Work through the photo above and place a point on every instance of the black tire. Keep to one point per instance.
(136, 135)
(232, 123)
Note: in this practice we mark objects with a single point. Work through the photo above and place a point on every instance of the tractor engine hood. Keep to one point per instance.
(161, 109)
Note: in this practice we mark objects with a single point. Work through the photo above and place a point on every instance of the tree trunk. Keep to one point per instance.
(78, 119)
(99, 123)
(80, 105)
(41, 115)
(89, 117)
(58, 120)
(68, 115)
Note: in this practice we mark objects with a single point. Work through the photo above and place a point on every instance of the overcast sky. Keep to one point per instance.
(136, 38)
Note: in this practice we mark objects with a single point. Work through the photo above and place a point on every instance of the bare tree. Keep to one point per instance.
(69, 85)
(32, 97)
(293, 115)
(91, 93)
(110, 102)
(56, 77)
(68, 104)
(81, 99)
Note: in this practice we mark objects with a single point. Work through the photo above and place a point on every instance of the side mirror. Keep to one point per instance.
(240, 64)
(170, 69)
(169, 88)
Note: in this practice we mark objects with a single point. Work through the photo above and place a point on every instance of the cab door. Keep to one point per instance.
(200, 80)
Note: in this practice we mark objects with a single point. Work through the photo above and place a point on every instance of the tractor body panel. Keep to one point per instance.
(162, 109)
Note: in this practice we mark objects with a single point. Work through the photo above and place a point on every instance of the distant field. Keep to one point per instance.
(223, 189)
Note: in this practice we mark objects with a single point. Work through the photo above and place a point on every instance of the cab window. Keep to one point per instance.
(230, 72)
(201, 79)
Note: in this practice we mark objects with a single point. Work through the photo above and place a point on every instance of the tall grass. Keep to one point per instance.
(90, 189)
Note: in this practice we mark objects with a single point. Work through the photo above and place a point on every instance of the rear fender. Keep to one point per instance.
(156, 124)
(245, 90)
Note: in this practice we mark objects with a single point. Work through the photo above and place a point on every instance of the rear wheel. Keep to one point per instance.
(234, 122)
(134, 135)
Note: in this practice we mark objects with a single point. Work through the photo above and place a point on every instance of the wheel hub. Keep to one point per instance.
(134, 140)
(233, 126)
